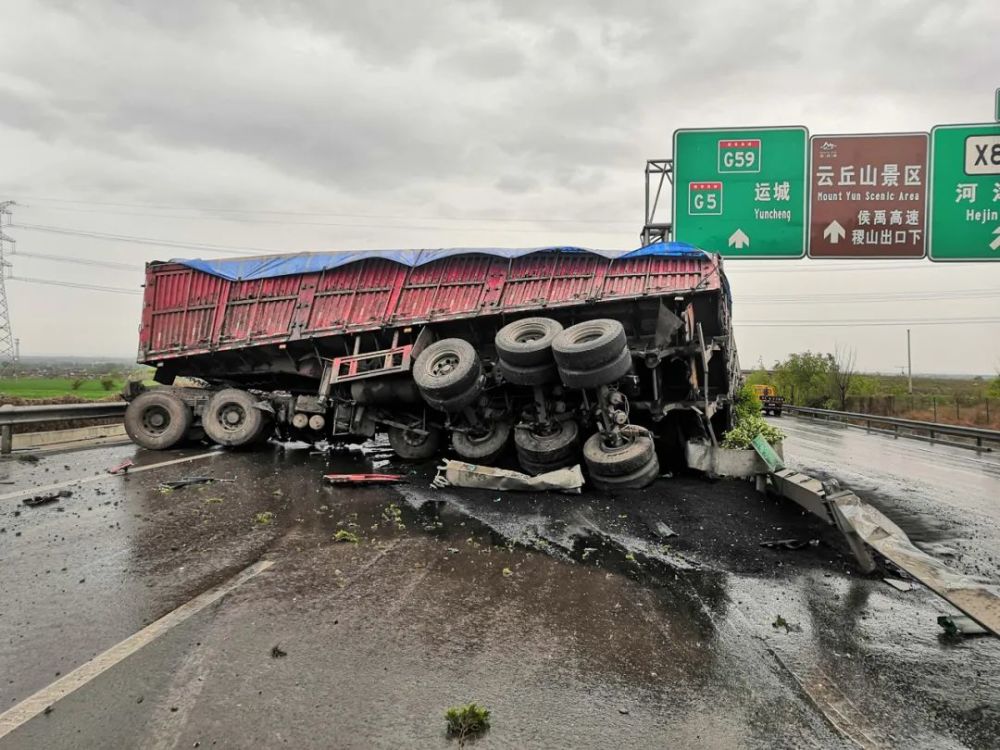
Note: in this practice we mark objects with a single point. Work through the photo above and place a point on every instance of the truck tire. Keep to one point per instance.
(558, 446)
(410, 446)
(641, 477)
(528, 375)
(446, 369)
(598, 376)
(527, 342)
(625, 459)
(232, 418)
(157, 420)
(534, 468)
(455, 404)
(482, 449)
(590, 344)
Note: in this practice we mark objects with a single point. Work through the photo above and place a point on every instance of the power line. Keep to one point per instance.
(147, 240)
(82, 261)
(337, 214)
(75, 285)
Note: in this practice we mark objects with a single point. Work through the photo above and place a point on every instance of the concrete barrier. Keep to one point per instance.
(29, 440)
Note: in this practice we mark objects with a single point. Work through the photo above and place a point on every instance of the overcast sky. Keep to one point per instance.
(301, 125)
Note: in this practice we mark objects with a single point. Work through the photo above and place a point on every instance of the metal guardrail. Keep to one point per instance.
(980, 435)
(16, 415)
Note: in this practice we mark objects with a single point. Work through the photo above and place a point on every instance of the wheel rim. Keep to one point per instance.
(231, 417)
(155, 420)
(443, 364)
(529, 334)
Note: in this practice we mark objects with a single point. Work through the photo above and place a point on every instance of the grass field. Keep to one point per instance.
(46, 388)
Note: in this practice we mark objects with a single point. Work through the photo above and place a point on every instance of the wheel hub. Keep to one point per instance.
(444, 364)
(232, 416)
(155, 420)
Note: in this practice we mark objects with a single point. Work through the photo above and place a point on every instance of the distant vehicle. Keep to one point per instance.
(543, 345)
(770, 401)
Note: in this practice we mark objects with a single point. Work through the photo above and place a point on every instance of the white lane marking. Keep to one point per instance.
(35, 704)
(105, 475)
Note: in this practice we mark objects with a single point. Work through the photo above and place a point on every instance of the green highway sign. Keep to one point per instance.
(742, 192)
(964, 205)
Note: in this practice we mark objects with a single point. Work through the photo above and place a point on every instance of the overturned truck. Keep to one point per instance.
(618, 357)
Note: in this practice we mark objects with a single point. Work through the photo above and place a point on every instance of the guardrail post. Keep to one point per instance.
(895, 431)
(6, 439)
(868, 425)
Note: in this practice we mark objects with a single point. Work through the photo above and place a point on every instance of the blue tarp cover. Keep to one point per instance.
(266, 267)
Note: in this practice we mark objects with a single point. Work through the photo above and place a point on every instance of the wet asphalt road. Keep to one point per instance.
(565, 615)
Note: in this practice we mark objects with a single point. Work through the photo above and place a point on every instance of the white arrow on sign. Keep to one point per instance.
(739, 239)
(995, 245)
(834, 232)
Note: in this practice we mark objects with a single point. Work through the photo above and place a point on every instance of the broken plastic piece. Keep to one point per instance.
(790, 543)
(960, 624)
(121, 468)
(50, 497)
(363, 478)
(898, 584)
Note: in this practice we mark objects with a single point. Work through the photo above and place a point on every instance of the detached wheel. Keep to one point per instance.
(483, 448)
(446, 369)
(589, 345)
(157, 421)
(598, 376)
(527, 342)
(412, 446)
(636, 480)
(232, 418)
(530, 375)
(635, 453)
(538, 453)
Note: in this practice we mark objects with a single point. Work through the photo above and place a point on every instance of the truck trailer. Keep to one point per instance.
(620, 357)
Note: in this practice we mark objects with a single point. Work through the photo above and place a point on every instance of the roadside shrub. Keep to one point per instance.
(107, 383)
(748, 422)
(77, 383)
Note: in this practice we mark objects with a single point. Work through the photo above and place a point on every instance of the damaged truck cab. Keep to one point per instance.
(562, 351)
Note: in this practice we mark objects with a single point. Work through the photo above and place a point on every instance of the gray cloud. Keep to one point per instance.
(507, 108)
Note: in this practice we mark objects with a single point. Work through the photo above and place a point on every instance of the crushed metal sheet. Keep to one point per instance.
(462, 474)
(978, 600)
(177, 484)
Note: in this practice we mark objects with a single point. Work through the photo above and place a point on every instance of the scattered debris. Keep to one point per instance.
(898, 584)
(467, 721)
(960, 625)
(662, 530)
(507, 572)
(277, 652)
(264, 518)
(346, 536)
(462, 474)
(623, 711)
(121, 468)
(50, 497)
(790, 627)
(790, 543)
(29, 458)
(213, 500)
(177, 484)
(380, 464)
(363, 478)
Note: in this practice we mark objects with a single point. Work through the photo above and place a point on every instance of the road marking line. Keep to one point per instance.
(101, 477)
(35, 704)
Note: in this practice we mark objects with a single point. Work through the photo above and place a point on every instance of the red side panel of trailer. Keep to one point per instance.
(188, 311)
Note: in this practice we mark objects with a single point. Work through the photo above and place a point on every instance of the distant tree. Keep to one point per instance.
(863, 385)
(842, 373)
(994, 390)
(77, 382)
(804, 378)
(107, 383)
